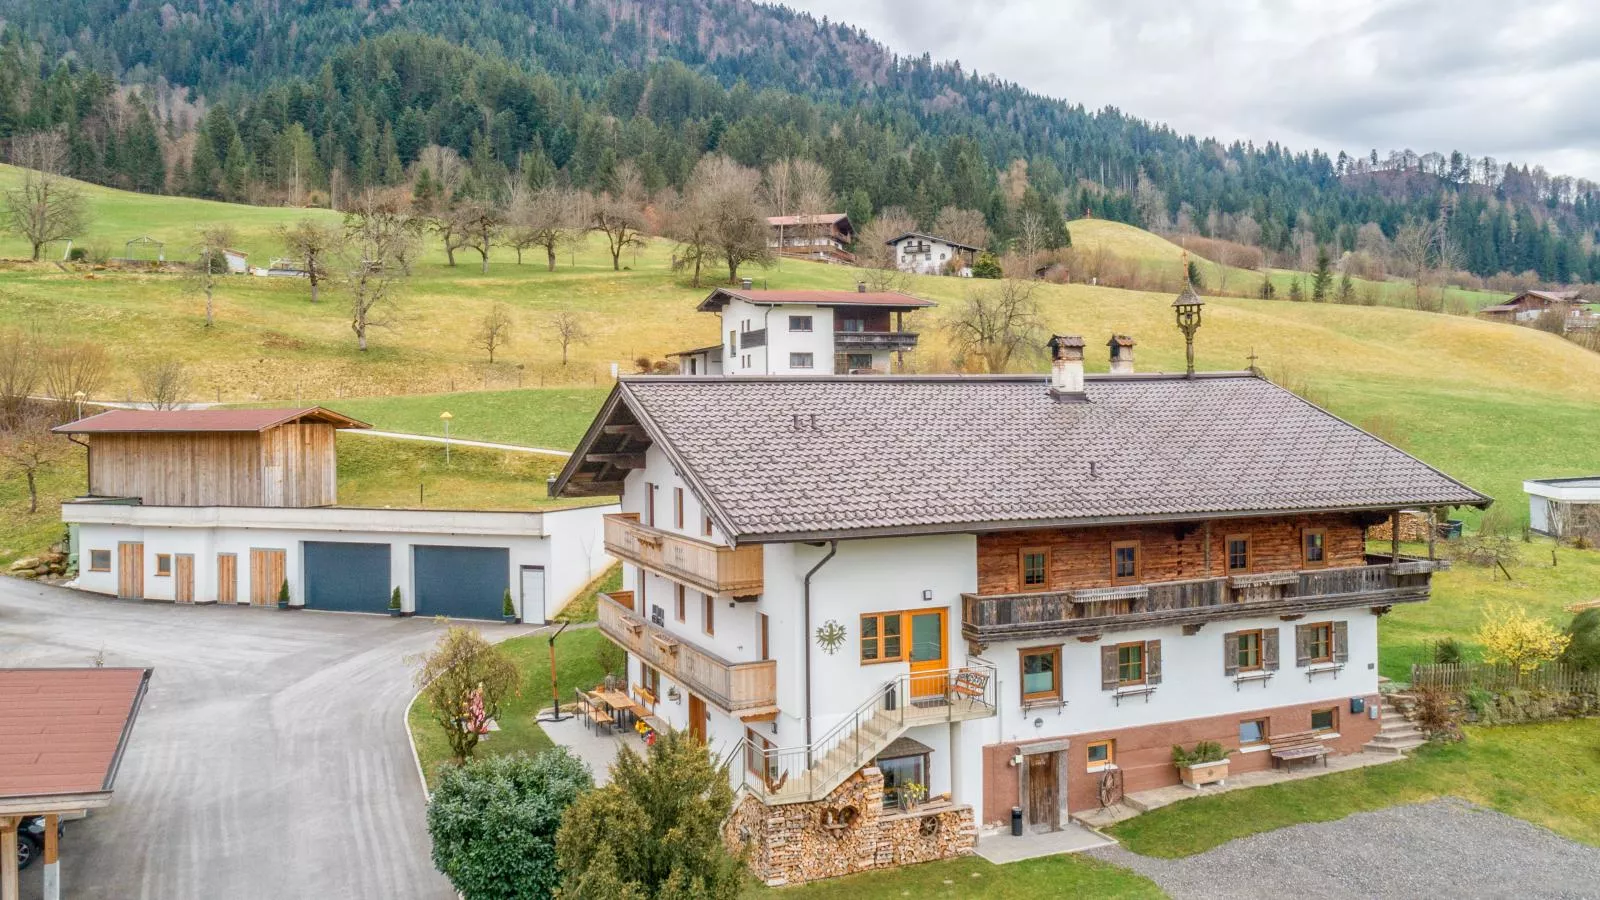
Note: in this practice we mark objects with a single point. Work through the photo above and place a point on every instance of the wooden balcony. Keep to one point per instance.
(740, 688)
(874, 340)
(1089, 611)
(704, 566)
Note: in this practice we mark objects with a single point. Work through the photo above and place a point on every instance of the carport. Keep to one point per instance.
(461, 582)
(62, 736)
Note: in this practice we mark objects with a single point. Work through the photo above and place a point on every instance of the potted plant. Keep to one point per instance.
(508, 609)
(283, 595)
(1207, 763)
(394, 602)
(910, 795)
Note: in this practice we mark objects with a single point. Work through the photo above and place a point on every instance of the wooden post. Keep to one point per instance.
(52, 858)
(9, 890)
(1208, 549)
(1394, 538)
(1433, 531)
(555, 688)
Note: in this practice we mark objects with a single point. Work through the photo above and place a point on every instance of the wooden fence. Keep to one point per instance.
(1462, 677)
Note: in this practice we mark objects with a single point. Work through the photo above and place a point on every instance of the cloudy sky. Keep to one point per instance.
(1514, 80)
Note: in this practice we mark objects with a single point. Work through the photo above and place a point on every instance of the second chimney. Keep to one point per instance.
(1121, 354)
(1066, 368)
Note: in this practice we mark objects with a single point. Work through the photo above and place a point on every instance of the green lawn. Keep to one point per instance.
(381, 472)
(553, 417)
(579, 664)
(1548, 774)
(583, 607)
(1036, 879)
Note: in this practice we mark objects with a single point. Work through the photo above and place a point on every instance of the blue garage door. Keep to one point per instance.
(461, 582)
(347, 577)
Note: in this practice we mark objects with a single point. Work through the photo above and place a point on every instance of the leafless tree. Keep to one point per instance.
(452, 225)
(211, 265)
(164, 385)
(1425, 251)
(446, 170)
(995, 324)
(494, 330)
(1150, 202)
(966, 226)
(1030, 240)
(314, 244)
(551, 218)
(618, 213)
(481, 223)
(44, 207)
(27, 446)
(720, 204)
(777, 191)
(378, 241)
(813, 194)
(569, 330)
(876, 257)
(19, 373)
(689, 222)
(73, 371)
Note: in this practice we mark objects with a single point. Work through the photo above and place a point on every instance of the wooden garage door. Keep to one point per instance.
(130, 570)
(266, 576)
(227, 578)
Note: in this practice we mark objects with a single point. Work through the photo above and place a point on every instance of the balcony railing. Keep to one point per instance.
(710, 568)
(1091, 610)
(874, 340)
(753, 338)
(736, 687)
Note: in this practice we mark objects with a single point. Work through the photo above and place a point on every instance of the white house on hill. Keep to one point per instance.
(926, 254)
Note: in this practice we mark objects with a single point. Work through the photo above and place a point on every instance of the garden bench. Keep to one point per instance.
(1287, 748)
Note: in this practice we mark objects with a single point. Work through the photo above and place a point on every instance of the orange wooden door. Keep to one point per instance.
(130, 570)
(928, 657)
(266, 576)
(227, 578)
(697, 718)
(183, 578)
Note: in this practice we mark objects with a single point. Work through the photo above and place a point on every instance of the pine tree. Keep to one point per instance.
(1267, 291)
(1321, 277)
(1347, 289)
(1296, 293)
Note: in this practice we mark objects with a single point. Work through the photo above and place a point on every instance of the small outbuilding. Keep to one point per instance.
(1565, 508)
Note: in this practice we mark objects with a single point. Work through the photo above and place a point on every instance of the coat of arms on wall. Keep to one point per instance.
(830, 637)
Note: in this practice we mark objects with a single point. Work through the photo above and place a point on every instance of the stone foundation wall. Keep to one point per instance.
(847, 832)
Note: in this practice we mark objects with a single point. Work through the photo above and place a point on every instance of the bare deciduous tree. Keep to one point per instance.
(19, 373)
(718, 218)
(882, 270)
(446, 172)
(378, 241)
(481, 223)
(1031, 239)
(73, 371)
(689, 222)
(164, 385)
(211, 264)
(451, 225)
(26, 445)
(44, 207)
(569, 330)
(813, 195)
(618, 213)
(965, 226)
(494, 330)
(995, 324)
(314, 244)
(551, 218)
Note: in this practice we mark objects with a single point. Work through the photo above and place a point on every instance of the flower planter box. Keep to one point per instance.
(1204, 773)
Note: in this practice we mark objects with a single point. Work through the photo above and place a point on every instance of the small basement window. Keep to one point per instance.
(1324, 719)
(99, 560)
(1252, 731)
(1102, 755)
(163, 563)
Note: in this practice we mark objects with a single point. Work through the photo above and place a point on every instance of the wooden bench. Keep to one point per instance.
(1287, 748)
(593, 710)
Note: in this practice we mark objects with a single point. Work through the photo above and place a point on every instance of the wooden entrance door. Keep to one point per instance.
(227, 578)
(1044, 792)
(130, 570)
(183, 578)
(928, 657)
(697, 718)
(266, 576)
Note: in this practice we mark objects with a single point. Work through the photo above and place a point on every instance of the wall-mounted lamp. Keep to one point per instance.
(673, 695)
(1038, 723)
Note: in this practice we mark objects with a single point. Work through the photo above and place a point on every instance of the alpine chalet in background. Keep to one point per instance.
(804, 332)
(910, 604)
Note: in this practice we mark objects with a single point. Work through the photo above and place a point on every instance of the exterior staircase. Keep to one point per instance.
(804, 774)
(1396, 733)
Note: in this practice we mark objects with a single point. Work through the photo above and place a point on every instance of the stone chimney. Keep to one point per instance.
(861, 287)
(1121, 354)
(1066, 368)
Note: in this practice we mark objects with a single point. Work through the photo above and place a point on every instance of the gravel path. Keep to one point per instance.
(1444, 848)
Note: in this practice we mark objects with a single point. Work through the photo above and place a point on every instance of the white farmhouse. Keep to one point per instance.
(926, 254)
(229, 505)
(804, 332)
(905, 605)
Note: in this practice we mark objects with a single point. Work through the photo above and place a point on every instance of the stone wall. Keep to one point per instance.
(847, 832)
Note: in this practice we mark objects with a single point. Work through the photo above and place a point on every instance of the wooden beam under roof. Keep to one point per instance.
(617, 460)
(628, 430)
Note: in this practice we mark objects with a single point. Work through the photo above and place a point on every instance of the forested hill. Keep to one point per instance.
(342, 96)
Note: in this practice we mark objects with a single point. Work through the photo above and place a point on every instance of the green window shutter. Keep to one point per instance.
(1302, 645)
(1152, 662)
(1230, 653)
(1108, 667)
(1341, 642)
(1269, 649)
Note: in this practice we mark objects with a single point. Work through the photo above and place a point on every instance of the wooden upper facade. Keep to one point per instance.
(262, 458)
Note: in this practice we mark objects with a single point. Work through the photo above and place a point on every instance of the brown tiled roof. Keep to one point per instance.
(901, 454)
(817, 219)
(719, 298)
(62, 731)
(931, 237)
(132, 421)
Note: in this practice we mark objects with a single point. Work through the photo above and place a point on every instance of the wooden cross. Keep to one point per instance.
(1252, 357)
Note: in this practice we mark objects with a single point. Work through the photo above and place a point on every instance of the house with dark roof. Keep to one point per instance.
(907, 605)
(822, 237)
(1528, 306)
(927, 254)
(233, 506)
(800, 332)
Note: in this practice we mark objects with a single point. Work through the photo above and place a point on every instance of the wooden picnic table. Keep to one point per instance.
(620, 702)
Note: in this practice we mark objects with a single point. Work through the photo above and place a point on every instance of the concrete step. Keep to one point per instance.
(1393, 715)
(1397, 737)
(1398, 748)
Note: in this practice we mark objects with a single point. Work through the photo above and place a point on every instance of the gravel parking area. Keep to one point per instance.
(1442, 848)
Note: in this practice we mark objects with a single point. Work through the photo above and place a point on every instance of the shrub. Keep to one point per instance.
(77, 254)
(1512, 637)
(986, 266)
(1583, 641)
(1482, 703)
(1203, 752)
(394, 598)
(494, 823)
(1447, 651)
(465, 679)
(1434, 715)
(508, 609)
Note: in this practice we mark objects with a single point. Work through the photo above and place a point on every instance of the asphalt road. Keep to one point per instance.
(270, 759)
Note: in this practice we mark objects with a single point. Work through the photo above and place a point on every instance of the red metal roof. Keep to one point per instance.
(719, 298)
(133, 421)
(62, 731)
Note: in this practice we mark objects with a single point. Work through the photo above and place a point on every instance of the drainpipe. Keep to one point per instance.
(833, 547)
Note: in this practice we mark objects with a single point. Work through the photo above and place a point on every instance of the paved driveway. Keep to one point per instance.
(270, 759)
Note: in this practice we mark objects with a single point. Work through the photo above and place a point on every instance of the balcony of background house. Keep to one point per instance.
(874, 340)
(756, 337)
(742, 688)
(710, 568)
(1084, 611)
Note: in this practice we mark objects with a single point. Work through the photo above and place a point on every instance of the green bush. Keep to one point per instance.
(986, 266)
(1583, 651)
(1447, 651)
(507, 608)
(1203, 752)
(394, 598)
(494, 822)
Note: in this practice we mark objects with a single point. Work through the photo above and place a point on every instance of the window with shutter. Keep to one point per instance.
(1269, 649)
(1230, 656)
(1302, 645)
(1152, 662)
(1108, 667)
(1341, 642)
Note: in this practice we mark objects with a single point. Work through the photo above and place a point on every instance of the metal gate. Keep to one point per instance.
(461, 582)
(347, 577)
